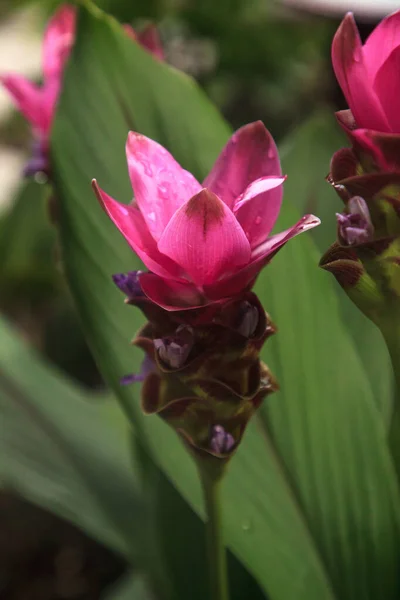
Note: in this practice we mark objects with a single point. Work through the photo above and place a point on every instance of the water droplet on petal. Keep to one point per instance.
(163, 190)
(258, 220)
(271, 152)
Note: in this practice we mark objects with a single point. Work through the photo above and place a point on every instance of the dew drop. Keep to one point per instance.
(271, 152)
(246, 525)
(163, 190)
(258, 220)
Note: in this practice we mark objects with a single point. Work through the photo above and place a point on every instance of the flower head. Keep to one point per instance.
(38, 103)
(203, 243)
(369, 74)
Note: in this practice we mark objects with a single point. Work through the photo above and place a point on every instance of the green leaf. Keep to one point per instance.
(27, 273)
(306, 157)
(66, 450)
(328, 468)
(264, 526)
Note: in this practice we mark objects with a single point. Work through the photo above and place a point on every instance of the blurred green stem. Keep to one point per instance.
(391, 333)
(218, 573)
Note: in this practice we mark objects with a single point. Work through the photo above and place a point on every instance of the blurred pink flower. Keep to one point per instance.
(203, 243)
(369, 74)
(38, 103)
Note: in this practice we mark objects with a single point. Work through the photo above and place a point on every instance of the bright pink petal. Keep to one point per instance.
(205, 238)
(258, 208)
(149, 38)
(245, 277)
(58, 40)
(353, 77)
(159, 183)
(131, 224)
(171, 295)
(379, 45)
(29, 99)
(250, 154)
(387, 87)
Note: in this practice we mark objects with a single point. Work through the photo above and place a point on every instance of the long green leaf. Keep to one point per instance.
(306, 157)
(66, 450)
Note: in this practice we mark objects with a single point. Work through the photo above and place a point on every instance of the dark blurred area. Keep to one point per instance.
(255, 59)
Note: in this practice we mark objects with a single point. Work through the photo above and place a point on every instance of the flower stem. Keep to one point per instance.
(216, 550)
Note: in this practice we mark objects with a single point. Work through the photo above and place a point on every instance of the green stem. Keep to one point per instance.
(216, 550)
(392, 339)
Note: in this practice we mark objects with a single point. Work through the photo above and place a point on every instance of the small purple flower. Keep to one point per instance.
(249, 318)
(221, 442)
(147, 367)
(174, 350)
(355, 226)
(129, 283)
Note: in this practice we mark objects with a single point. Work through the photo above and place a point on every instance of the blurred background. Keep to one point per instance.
(256, 59)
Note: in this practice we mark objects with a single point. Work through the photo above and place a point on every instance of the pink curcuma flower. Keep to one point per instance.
(203, 243)
(38, 103)
(369, 74)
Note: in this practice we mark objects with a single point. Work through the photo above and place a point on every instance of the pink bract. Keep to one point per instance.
(369, 74)
(38, 103)
(203, 243)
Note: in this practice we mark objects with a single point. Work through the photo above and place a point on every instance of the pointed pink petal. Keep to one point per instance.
(258, 208)
(30, 100)
(387, 87)
(250, 154)
(245, 278)
(149, 38)
(159, 183)
(205, 238)
(379, 45)
(131, 224)
(58, 40)
(171, 295)
(353, 77)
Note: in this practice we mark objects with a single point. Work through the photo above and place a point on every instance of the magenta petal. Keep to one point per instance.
(29, 99)
(245, 277)
(131, 224)
(353, 77)
(250, 154)
(205, 238)
(387, 87)
(159, 183)
(258, 208)
(379, 45)
(171, 295)
(58, 40)
(149, 38)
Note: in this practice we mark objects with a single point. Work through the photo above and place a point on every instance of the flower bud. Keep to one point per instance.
(174, 350)
(355, 226)
(221, 442)
(129, 283)
(249, 318)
